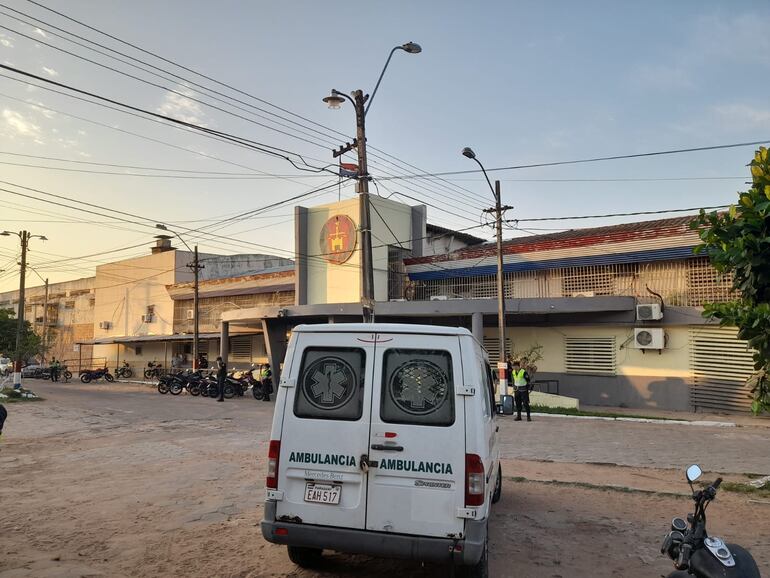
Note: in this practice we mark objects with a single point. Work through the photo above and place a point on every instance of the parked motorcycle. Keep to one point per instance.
(90, 375)
(696, 553)
(153, 370)
(66, 374)
(124, 371)
(171, 383)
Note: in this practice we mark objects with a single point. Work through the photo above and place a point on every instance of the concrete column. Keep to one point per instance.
(224, 341)
(477, 326)
(275, 343)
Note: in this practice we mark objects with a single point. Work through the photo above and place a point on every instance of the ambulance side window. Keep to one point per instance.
(331, 383)
(417, 387)
(486, 380)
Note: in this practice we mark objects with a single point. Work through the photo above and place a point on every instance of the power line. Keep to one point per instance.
(255, 145)
(590, 160)
(635, 213)
(463, 191)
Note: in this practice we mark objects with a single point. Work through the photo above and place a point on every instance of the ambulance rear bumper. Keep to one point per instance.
(466, 551)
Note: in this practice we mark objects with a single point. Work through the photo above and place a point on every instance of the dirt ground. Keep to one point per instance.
(137, 484)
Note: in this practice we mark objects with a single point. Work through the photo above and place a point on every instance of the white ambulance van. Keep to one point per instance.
(384, 442)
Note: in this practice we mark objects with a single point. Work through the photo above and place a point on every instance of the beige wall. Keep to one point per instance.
(125, 289)
(332, 283)
(673, 362)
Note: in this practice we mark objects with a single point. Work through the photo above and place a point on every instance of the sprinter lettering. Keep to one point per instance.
(413, 466)
(325, 459)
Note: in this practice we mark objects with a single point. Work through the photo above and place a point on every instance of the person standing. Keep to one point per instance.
(221, 378)
(521, 382)
(55, 370)
(3, 415)
(266, 378)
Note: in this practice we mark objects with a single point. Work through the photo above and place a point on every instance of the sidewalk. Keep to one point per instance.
(739, 419)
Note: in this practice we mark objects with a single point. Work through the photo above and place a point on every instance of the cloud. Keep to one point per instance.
(40, 33)
(6, 41)
(741, 115)
(182, 107)
(50, 71)
(20, 125)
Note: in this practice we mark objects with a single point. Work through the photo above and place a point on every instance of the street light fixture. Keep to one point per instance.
(196, 267)
(361, 104)
(498, 210)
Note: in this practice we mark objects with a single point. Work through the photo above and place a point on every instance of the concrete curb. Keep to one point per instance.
(702, 423)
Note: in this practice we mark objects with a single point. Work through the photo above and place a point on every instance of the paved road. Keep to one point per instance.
(660, 445)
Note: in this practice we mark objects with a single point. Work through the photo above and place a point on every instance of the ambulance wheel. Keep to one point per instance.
(305, 557)
(481, 569)
(497, 494)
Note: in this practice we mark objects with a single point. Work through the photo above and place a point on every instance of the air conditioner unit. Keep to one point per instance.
(649, 338)
(649, 312)
(147, 318)
(584, 294)
(191, 314)
(439, 297)
(105, 324)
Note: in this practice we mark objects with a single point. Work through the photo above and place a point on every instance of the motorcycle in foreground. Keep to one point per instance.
(89, 375)
(694, 552)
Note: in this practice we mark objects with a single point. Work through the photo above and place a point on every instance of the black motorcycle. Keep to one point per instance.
(89, 375)
(153, 370)
(696, 553)
(124, 371)
(172, 383)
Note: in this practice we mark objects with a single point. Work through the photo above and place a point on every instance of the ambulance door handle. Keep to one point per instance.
(387, 448)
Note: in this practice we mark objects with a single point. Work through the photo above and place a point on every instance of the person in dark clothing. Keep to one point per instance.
(266, 378)
(521, 387)
(3, 415)
(55, 365)
(221, 378)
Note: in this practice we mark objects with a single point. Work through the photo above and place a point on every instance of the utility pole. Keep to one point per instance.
(359, 102)
(498, 210)
(45, 321)
(367, 278)
(196, 267)
(24, 236)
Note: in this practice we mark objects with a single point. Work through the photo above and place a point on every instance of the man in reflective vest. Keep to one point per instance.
(521, 389)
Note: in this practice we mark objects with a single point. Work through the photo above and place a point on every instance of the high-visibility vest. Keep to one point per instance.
(518, 378)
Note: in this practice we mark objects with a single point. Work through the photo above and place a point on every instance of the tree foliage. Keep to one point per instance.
(738, 242)
(31, 344)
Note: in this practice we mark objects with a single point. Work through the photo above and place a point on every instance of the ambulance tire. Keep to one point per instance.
(497, 494)
(305, 557)
(481, 569)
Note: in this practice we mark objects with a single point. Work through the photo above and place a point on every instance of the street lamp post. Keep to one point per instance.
(359, 101)
(498, 210)
(24, 237)
(196, 267)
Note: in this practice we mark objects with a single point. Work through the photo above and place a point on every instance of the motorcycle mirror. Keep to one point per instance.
(693, 473)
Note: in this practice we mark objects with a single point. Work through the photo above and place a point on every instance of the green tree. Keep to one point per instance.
(738, 242)
(31, 344)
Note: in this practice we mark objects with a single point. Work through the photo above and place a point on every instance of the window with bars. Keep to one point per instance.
(590, 355)
(240, 348)
(397, 277)
(578, 281)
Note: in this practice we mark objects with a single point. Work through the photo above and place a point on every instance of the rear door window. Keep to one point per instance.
(417, 387)
(331, 383)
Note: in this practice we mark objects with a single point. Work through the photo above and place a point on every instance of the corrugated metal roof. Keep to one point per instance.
(678, 226)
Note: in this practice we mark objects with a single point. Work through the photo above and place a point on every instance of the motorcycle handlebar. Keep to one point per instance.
(716, 483)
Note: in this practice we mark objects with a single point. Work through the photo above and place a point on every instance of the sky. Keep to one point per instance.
(520, 82)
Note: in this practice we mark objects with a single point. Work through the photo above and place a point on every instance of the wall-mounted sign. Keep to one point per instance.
(338, 239)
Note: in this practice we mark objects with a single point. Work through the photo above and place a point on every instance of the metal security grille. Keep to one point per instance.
(690, 282)
(492, 345)
(397, 277)
(706, 285)
(590, 355)
(240, 348)
(721, 363)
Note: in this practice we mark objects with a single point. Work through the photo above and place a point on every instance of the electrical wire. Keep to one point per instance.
(608, 215)
(594, 159)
